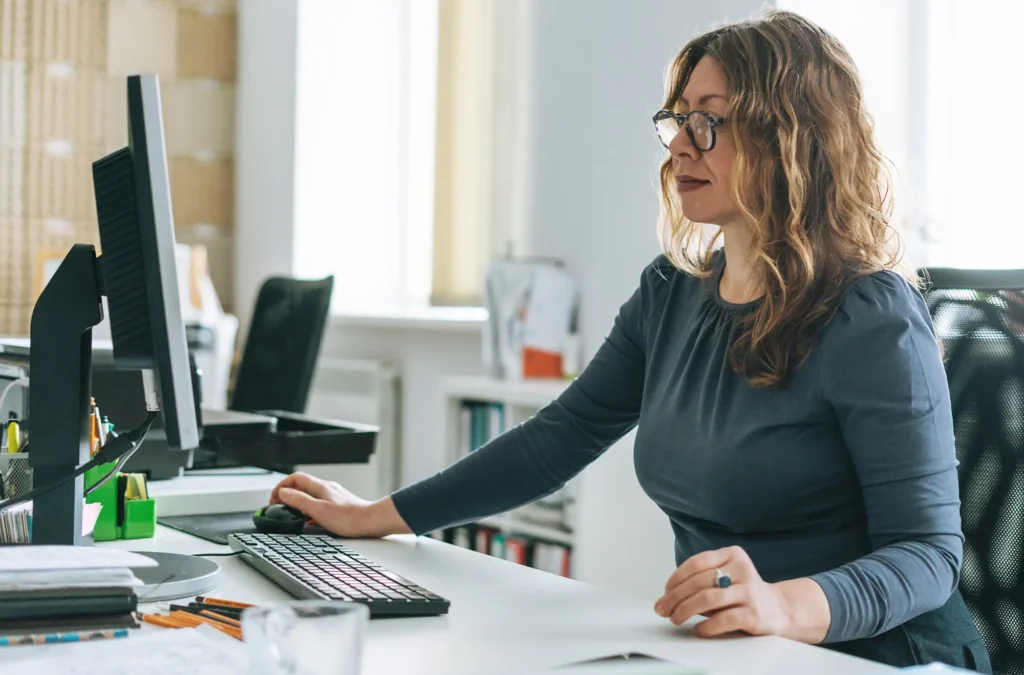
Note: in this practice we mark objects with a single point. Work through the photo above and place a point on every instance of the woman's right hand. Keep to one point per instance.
(338, 510)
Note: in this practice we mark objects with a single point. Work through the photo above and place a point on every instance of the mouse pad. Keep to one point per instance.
(216, 527)
(213, 527)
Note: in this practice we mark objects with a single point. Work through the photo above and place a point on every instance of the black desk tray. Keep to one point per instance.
(300, 439)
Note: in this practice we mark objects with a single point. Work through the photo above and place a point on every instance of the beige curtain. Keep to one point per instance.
(482, 142)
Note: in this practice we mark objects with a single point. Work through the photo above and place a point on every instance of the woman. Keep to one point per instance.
(794, 417)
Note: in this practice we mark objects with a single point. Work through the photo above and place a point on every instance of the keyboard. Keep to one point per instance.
(321, 568)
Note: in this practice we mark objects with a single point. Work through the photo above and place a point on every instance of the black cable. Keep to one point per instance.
(215, 555)
(124, 444)
(110, 474)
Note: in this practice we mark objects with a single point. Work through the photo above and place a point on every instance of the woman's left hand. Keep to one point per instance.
(747, 604)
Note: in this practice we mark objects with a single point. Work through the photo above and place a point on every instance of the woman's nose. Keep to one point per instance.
(682, 145)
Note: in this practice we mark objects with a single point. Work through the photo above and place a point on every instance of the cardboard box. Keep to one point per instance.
(14, 319)
(12, 103)
(58, 182)
(47, 242)
(69, 31)
(94, 25)
(115, 114)
(142, 37)
(220, 257)
(207, 45)
(202, 191)
(13, 264)
(65, 104)
(14, 30)
(12, 182)
(199, 118)
(229, 6)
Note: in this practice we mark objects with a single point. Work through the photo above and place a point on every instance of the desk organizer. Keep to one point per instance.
(16, 473)
(300, 439)
(139, 519)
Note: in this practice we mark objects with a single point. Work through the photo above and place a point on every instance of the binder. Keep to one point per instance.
(71, 603)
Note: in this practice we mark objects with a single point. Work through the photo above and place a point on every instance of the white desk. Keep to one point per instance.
(506, 618)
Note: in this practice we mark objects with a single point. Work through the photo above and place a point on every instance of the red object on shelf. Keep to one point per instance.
(541, 364)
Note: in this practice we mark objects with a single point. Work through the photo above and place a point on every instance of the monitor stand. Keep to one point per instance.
(60, 382)
(60, 366)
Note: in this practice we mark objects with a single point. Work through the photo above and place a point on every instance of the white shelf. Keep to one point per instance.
(531, 393)
(510, 525)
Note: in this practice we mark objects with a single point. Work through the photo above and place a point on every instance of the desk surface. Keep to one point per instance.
(507, 618)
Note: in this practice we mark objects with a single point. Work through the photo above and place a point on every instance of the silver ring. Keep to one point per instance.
(722, 579)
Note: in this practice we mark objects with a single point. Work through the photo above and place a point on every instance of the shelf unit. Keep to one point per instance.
(521, 399)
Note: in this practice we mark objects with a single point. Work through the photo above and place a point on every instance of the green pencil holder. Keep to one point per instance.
(139, 514)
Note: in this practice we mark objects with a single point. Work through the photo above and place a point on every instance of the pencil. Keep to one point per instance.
(47, 638)
(223, 603)
(163, 621)
(220, 617)
(185, 617)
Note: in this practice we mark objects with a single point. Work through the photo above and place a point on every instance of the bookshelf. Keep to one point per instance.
(478, 409)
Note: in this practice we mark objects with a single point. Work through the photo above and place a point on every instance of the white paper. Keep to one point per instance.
(68, 558)
(197, 651)
(97, 578)
(552, 299)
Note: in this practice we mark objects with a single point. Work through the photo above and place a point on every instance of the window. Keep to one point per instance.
(940, 79)
(404, 186)
(411, 151)
(365, 120)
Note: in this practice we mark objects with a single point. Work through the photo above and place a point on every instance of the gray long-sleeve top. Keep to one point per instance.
(846, 476)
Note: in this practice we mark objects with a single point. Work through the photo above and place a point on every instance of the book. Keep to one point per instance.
(497, 548)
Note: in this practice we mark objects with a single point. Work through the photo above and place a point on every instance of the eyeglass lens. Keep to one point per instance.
(698, 129)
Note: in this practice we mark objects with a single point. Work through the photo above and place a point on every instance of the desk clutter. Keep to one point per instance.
(66, 593)
(127, 511)
(200, 651)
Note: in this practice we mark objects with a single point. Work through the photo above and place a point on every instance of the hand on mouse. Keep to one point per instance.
(338, 510)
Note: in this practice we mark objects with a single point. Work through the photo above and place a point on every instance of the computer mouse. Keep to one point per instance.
(279, 519)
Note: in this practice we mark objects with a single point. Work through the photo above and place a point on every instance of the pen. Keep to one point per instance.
(47, 638)
(222, 603)
(229, 612)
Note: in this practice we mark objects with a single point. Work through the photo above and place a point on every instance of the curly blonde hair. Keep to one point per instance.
(808, 178)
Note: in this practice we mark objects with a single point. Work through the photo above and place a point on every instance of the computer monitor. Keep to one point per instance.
(133, 203)
(137, 273)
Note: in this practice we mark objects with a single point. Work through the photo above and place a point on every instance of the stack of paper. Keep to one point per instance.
(44, 585)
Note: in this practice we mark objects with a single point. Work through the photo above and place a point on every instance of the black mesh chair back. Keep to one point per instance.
(281, 351)
(979, 316)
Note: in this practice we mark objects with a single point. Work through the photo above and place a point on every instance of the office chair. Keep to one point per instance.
(979, 316)
(281, 350)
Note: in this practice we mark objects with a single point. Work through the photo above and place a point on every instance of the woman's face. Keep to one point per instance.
(704, 179)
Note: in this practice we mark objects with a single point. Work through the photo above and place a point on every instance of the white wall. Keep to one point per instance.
(265, 159)
(422, 357)
(599, 79)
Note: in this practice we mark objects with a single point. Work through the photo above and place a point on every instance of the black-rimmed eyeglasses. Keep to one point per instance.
(699, 125)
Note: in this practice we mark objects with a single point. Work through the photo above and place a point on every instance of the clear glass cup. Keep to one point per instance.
(306, 637)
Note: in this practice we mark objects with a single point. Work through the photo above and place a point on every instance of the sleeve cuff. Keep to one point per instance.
(839, 627)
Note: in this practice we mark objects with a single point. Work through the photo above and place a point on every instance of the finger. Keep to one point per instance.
(709, 600)
(298, 481)
(695, 584)
(707, 560)
(311, 506)
(731, 620)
